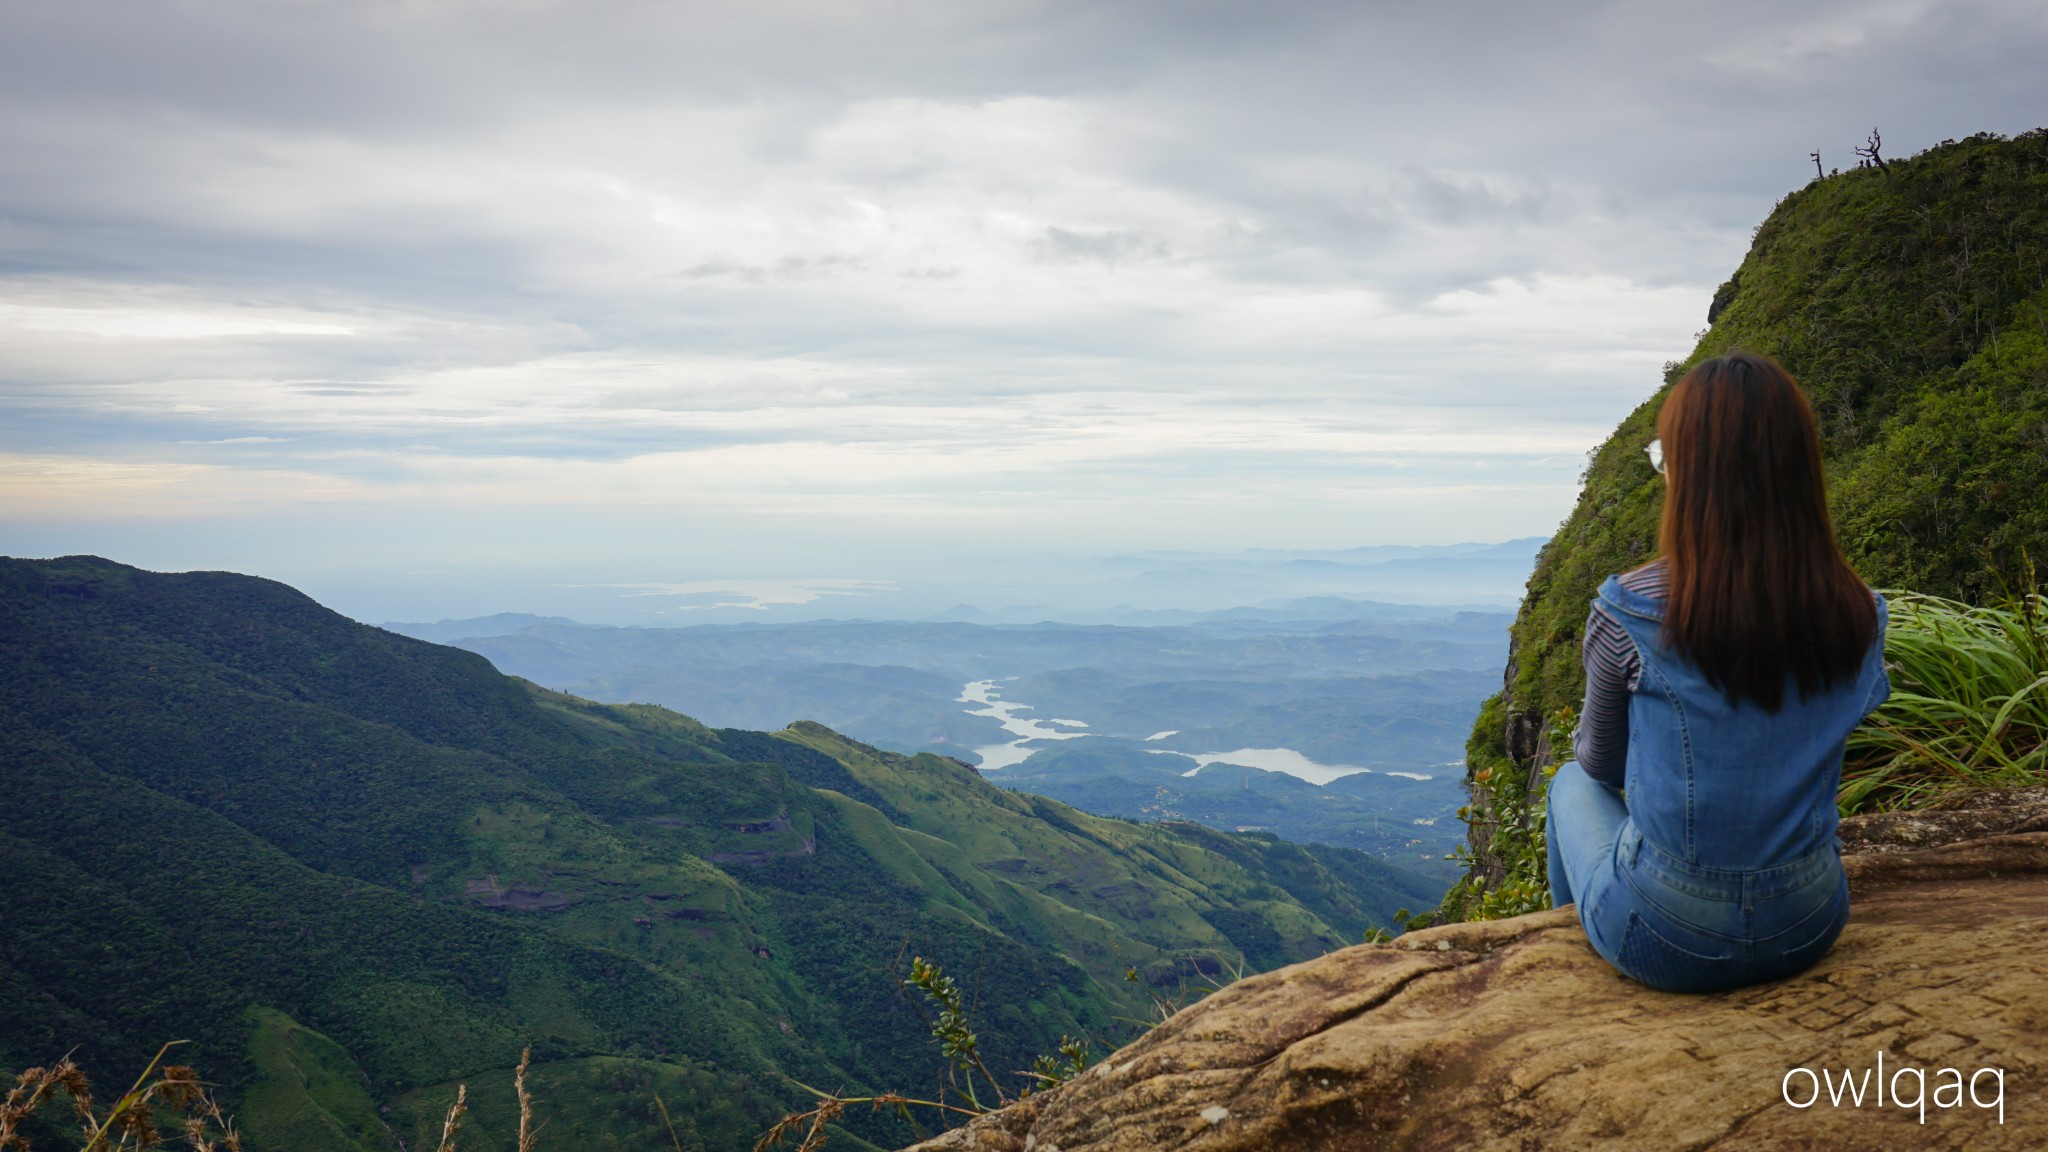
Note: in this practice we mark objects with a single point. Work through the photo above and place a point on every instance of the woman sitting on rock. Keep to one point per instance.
(1721, 681)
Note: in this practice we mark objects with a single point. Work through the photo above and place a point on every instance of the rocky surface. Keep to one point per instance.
(1515, 1035)
(1968, 816)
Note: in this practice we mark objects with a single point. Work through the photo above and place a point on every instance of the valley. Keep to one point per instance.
(1327, 721)
(355, 870)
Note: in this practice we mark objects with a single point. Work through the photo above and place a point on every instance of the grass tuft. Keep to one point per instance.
(1969, 704)
(527, 1133)
(172, 1093)
(453, 1123)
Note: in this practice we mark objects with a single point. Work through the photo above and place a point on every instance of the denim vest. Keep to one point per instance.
(1733, 787)
(1727, 872)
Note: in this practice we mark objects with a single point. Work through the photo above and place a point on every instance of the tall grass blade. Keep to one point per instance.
(1969, 704)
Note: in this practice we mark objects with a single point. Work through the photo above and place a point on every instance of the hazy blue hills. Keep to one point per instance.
(1292, 610)
(1412, 822)
(1034, 586)
(1489, 574)
(355, 868)
(1109, 718)
(500, 624)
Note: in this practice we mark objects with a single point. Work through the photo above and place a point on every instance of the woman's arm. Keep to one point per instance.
(1601, 743)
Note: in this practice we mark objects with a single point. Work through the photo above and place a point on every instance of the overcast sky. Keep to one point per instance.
(513, 294)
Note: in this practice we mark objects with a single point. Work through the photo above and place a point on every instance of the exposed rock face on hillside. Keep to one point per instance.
(1512, 1034)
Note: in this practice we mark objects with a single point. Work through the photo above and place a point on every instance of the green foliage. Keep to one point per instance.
(308, 1093)
(962, 1050)
(1912, 305)
(1353, 892)
(1057, 1067)
(957, 1042)
(599, 1104)
(358, 870)
(1518, 841)
(1969, 704)
(1948, 497)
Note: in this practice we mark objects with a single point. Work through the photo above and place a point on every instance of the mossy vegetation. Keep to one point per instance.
(1911, 302)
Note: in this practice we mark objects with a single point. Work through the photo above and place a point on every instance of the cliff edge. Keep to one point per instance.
(1513, 1034)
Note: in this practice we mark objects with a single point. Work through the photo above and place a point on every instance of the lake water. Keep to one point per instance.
(1026, 729)
(998, 756)
(1281, 760)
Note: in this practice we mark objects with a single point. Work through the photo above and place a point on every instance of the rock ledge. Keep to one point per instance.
(1513, 1034)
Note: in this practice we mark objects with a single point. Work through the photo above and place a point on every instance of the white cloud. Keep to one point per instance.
(46, 488)
(155, 324)
(1200, 275)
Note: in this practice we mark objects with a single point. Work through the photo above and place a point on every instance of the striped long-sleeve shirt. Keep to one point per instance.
(1613, 669)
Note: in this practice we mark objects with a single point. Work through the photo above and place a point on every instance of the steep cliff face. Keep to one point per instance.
(1512, 1034)
(1911, 302)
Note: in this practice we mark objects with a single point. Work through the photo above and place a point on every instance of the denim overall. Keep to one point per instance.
(1721, 868)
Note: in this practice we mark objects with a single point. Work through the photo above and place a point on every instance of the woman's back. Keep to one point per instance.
(1721, 684)
(1723, 785)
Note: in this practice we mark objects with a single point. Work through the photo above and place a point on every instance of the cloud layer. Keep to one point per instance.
(811, 286)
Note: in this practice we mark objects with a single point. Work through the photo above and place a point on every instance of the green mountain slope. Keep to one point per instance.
(355, 869)
(1911, 302)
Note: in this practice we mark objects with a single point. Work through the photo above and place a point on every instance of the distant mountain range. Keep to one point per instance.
(1187, 587)
(355, 869)
(1046, 585)
(1372, 687)
(501, 624)
(1297, 610)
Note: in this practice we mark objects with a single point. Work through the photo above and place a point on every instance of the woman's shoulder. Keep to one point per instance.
(1637, 592)
(1652, 580)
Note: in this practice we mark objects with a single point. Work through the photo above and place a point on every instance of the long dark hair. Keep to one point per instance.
(1759, 590)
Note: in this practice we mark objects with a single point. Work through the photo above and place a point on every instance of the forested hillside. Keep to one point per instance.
(355, 869)
(1911, 301)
